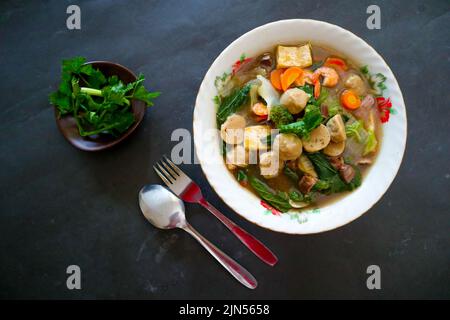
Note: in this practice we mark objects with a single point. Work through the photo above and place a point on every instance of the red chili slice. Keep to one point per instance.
(238, 64)
(336, 62)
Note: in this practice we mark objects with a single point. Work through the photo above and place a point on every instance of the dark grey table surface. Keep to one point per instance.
(61, 206)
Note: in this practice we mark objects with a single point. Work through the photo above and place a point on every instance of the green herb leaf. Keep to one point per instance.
(232, 103)
(364, 69)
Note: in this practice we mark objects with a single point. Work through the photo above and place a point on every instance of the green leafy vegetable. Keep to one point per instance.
(354, 129)
(296, 196)
(232, 103)
(303, 127)
(242, 177)
(323, 96)
(278, 200)
(217, 100)
(371, 143)
(279, 115)
(101, 105)
(329, 175)
(221, 79)
(323, 168)
(291, 174)
(321, 185)
(309, 89)
(334, 108)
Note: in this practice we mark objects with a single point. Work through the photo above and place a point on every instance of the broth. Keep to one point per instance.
(333, 175)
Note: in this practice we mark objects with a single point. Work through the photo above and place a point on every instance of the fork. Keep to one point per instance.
(189, 191)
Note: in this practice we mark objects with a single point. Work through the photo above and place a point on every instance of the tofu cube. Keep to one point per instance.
(253, 137)
(294, 56)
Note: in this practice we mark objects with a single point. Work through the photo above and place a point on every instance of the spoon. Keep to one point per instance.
(166, 211)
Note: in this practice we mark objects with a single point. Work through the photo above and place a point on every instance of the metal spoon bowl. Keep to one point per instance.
(166, 211)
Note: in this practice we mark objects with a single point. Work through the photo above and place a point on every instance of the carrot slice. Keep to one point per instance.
(288, 77)
(350, 100)
(317, 87)
(336, 62)
(275, 78)
(260, 109)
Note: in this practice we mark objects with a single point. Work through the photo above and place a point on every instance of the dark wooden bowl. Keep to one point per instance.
(68, 126)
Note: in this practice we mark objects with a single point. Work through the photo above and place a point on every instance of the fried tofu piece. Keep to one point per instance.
(253, 137)
(294, 56)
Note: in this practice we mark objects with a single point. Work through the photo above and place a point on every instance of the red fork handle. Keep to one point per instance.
(255, 246)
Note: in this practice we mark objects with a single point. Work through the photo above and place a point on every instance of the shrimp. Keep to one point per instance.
(305, 77)
(330, 76)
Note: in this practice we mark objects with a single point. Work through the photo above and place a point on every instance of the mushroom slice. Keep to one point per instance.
(298, 204)
(364, 161)
(270, 164)
(294, 100)
(268, 92)
(305, 165)
(334, 149)
(232, 130)
(318, 139)
(237, 156)
(254, 135)
(288, 145)
(337, 128)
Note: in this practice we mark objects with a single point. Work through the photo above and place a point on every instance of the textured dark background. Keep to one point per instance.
(60, 206)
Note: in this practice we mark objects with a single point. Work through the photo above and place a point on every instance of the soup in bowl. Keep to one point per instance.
(301, 123)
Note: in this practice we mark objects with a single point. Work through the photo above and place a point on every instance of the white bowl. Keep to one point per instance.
(248, 205)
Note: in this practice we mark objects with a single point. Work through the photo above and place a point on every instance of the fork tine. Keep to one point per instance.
(166, 180)
(172, 172)
(173, 165)
(164, 171)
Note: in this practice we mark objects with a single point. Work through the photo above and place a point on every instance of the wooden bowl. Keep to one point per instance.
(68, 126)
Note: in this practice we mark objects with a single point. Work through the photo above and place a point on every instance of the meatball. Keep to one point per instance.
(288, 145)
(357, 84)
(294, 100)
(232, 130)
(318, 139)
